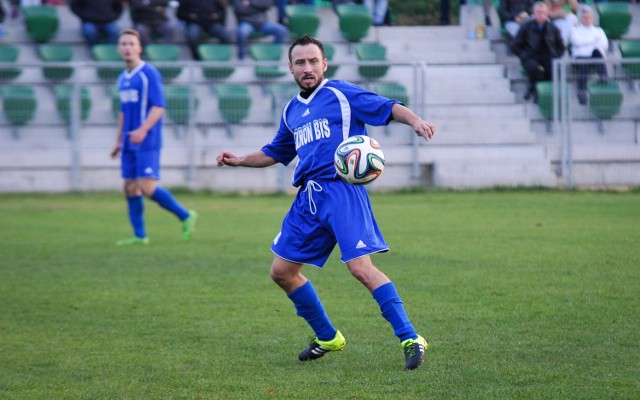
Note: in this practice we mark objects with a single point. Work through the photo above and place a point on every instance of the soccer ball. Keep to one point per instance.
(359, 160)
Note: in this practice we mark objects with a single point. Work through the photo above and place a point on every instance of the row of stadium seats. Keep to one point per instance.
(108, 53)
(42, 21)
(234, 100)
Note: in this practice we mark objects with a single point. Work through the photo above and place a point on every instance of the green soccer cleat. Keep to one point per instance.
(414, 351)
(318, 348)
(189, 225)
(133, 240)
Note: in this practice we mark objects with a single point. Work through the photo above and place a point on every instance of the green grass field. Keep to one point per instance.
(523, 295)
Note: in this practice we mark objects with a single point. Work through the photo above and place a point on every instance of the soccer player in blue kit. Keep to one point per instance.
(139, 140)
(313, 124)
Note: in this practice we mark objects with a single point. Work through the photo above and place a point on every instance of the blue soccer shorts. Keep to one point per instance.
(326, 213)
(141, 164)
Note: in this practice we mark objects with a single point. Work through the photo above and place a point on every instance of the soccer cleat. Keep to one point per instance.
(414, 351)
(318, 348)
(133, 240)
(189, 225)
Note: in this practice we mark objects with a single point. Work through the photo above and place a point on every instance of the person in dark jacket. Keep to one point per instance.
(513, 13)
(252, 17)
(208, 16)
(537, 43)
(98, 19)
(150, 19)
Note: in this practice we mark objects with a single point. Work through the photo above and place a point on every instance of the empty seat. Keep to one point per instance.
(41, 22)
(56, 53)
(615, 18)
(281, 93)
(164, 53)
(605, 99)
(267, 52)
(354, 20)
(107, 53)
(372, 52)
(392, 90)
(114, 94)
(9, 54)
(178, 100)
(217, 52)
(234, 102)
(329, 52)
(545, 98)
(63, 95)
(630, 49)
(303, 20)
(19, 103)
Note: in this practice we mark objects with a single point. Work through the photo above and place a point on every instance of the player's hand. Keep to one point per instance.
(424, 129)
(227, 158)
(137, 136)
(115, 151)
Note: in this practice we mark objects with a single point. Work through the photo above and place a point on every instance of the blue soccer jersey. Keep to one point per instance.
(313, 128)
(140, 89)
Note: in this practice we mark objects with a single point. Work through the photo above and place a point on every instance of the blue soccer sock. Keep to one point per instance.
(393, 311)
(166, 200)
(136, 215)
(309, 307)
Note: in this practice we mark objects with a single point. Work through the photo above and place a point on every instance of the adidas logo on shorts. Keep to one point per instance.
(360, 245)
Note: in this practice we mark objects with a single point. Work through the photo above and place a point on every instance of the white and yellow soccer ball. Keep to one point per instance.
(359, 160)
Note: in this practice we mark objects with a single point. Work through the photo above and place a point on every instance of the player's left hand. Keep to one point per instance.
(137, 136)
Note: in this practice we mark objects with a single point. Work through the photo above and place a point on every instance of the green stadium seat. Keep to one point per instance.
(234, 102)
(605, 99)
(354, 21)
(280, 94)
(114, 94)
(63, 95)
(161, 52)
(546, 101)
(372, 52)
(303, 20)
(630, 49)
(329, 52)
(267, 52)
(56, 53)
(19, 103)
(392, 90)
(41, 22)
(615, 18)
(217, 52)
(9, 54)
(107, 53)
(177, 98)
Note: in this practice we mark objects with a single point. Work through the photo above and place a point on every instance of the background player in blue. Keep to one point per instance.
(140, 139)
(313, 124)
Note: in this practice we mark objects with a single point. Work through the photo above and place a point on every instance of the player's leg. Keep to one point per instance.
(392, 307)
(135, 202)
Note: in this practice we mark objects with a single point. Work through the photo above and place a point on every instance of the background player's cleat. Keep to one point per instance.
(414, 351)
(317, 348)
(189, 225)
(133, 240)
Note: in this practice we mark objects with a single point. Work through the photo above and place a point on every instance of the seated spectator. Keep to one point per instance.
(252, 17)
(513, 13)
(98, 19)
(378, 9)
(150, 19)
(561, 12)
(208, 16)
(537, 43)
(588, 42)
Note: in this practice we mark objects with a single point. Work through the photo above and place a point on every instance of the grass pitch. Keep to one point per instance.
(523, 294)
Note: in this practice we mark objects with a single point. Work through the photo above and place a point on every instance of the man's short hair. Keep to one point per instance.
(305, 40)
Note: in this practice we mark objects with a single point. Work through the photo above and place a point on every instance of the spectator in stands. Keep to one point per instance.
(588, 42)
(150, 19)
(282, 4)
(378, 9)
(537, 43)
(561, 12)
(98, 19)
(513, 13)
(208, 16)
(2, 15)
(252, 17)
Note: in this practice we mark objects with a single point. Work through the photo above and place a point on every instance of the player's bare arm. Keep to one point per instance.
(139, 134)
(405, 116)
(254, 160)
(116, 147)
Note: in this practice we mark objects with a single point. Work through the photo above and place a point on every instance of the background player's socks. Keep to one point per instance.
(393, 311)
(166, 200)
(136, 215)
(309, 307)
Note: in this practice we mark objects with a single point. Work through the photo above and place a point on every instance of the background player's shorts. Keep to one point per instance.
(141, 164)
(343, 215)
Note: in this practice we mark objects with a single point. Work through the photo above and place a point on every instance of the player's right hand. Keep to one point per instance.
(227, 158)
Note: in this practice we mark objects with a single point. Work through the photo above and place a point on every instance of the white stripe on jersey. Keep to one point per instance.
(345, 109)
